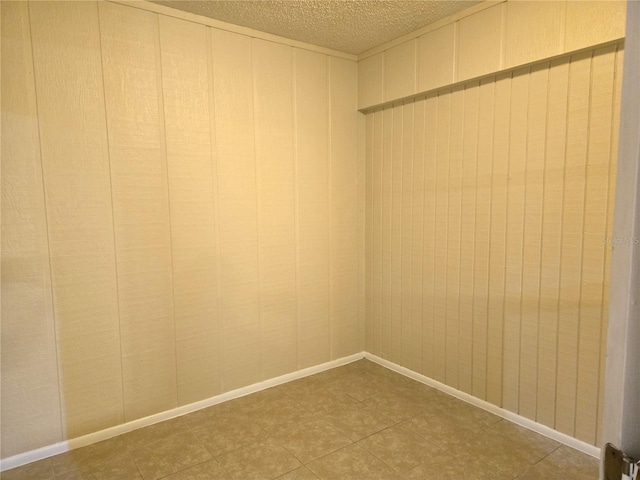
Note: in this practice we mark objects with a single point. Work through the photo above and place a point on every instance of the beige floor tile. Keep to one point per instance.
(312, 440)
(500, 452)
(397, 406)
(263, 460)
(302, 473)
(124, 469)
(170, 455)
(563, 463)
(90, 458)
(441, 468)
(221, 433)
(397, 422)
(451, 423)
(320, 401)
(281, 413)
(210, 470)
(399, 447)
(357, 385)
(448, 432)
(509, 444)
(351, 463)
(147, 435)
(358, 422)
(41, 470)
(448, 466)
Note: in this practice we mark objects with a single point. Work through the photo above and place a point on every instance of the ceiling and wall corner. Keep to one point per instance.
(353, 26)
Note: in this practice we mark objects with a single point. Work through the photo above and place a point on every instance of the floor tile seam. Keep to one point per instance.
(224, 469)
(539, 461)
(380, 459)
(308, 465)
(340, 432)
(436, 447)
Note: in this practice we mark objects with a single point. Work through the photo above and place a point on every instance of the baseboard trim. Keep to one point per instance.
(61, 447)
(501, 412)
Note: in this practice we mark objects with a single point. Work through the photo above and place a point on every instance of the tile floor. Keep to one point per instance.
(359, 421)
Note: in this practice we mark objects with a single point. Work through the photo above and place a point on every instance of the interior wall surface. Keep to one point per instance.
(179, 215)
(488, 241)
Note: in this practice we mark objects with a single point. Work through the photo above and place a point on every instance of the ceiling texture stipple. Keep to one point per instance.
(350, 26)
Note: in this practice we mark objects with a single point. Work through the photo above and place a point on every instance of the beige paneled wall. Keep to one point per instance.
(28, 328)
(488, 206)
(179, 215)
(483, 40)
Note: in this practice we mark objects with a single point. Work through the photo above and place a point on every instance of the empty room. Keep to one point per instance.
(320, 239)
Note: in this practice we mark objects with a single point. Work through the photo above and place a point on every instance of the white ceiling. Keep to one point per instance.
(351, 26)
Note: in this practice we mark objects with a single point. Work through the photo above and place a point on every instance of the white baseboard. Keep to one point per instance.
(501, 412)
(61, 447)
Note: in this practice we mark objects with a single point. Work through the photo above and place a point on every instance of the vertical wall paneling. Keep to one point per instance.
(344, 207)
(531, 248)
(30, 391)
(389, 119)
(430, 233)
(467, 327)
(361, 248)
(497, 238)
(515, 237)
(441, 241)
(552, 206)
(510, 213)
(312, 180)
(481, 240)
(417, 235)
(237, 200)
(369, 237)
(454, 202)
(75, 160)
(593, 256)
(272, 80)
(140, 208)
(408, 336)
(183, 215)
(571, 253)
(396, 234)
(185, 84)
(377, 244)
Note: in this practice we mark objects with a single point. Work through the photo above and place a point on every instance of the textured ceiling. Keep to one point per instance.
(350, 26)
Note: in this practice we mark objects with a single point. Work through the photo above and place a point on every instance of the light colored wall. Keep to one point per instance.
(484, 39)
(179, 214)
(487, 208)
